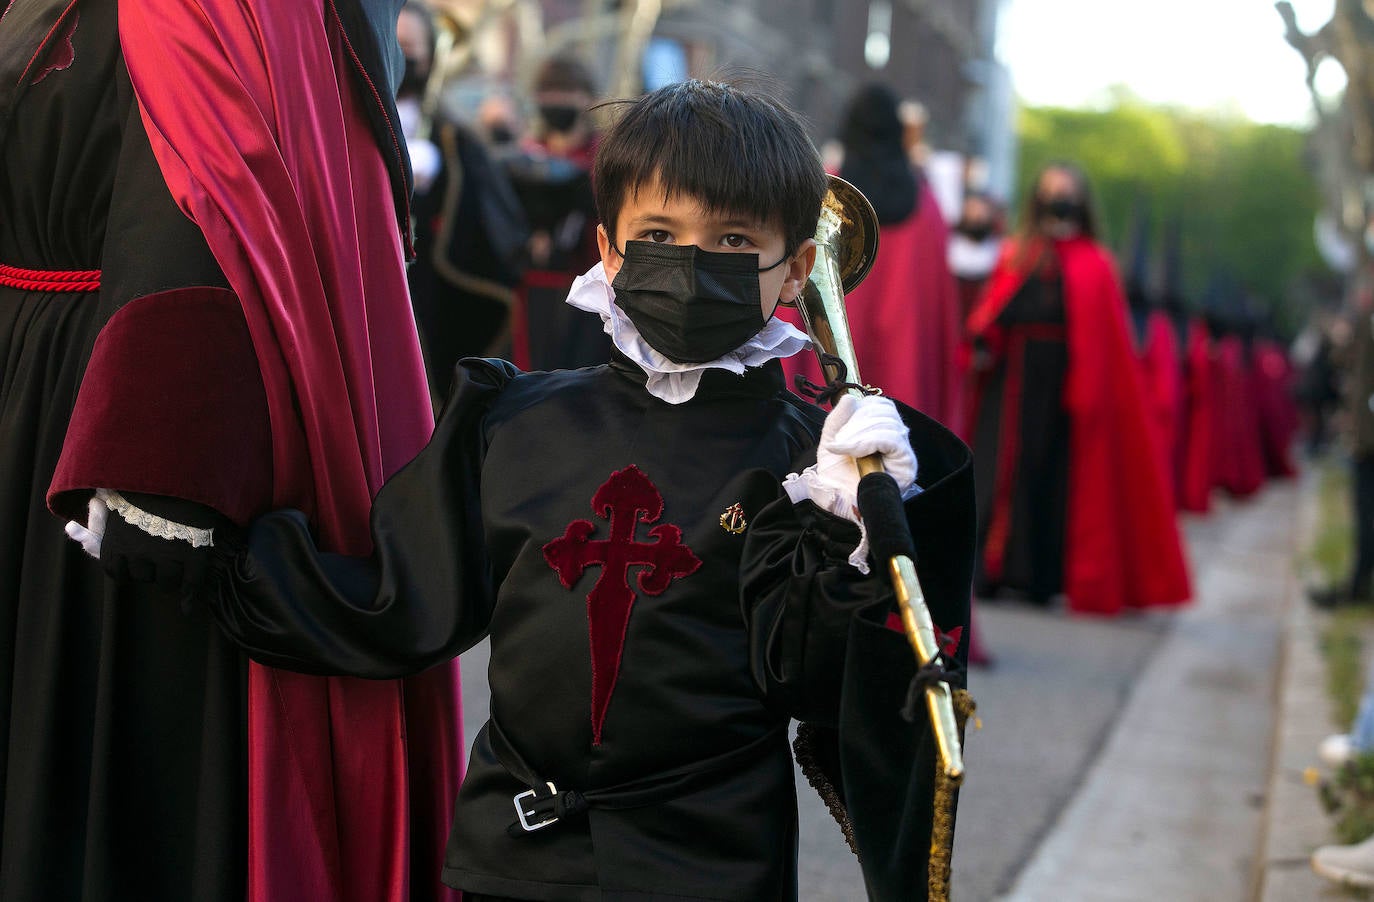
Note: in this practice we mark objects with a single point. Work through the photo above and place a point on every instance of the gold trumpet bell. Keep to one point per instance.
(849, 226)
(846, 246)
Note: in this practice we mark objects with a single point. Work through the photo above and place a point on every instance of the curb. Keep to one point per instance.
(1295, 822)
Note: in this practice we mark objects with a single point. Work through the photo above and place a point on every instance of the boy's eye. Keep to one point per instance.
(658, 236)
(735, 241)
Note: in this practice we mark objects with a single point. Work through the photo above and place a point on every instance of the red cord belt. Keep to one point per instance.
(49, 279)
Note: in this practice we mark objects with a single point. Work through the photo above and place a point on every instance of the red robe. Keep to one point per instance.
(1163, 379)
(904, 318)
(350, 781)
(1237, 459)
(1122, 546)
(1271, 381)
(1198, 423)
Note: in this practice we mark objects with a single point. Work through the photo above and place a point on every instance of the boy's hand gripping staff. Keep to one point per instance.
(847, 241)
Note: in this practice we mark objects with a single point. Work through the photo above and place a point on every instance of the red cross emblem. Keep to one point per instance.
(948, 641)
(627, 499)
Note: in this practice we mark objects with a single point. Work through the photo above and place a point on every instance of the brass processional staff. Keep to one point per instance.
(847, 241)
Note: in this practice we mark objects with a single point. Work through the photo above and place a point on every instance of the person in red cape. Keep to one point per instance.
(1161, 366)
(1237, 459)
(974, 243)
(1198, 417)
(1272, 378)
(234, 176)
(904, 317)
(1071, 494)
(1162, 371)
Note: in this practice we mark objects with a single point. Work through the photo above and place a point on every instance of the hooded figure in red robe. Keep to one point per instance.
(1237, 458)
(1272, 377)
(1198, 421)
(233, 174)
(904, 317)
(1160, 362)
(1071, 494)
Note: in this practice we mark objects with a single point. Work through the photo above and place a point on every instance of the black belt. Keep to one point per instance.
(544, 804)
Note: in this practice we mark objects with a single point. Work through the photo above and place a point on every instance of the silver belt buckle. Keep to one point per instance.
(525, 816)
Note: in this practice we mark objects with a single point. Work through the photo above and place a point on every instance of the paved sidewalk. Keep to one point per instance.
(1173, 807)
(1295, 822)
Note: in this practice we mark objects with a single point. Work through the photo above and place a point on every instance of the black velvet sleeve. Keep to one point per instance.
(799, 595)
(423, 596)
(822, 646)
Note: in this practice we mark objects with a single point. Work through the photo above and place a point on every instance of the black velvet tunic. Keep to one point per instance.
(680, 744)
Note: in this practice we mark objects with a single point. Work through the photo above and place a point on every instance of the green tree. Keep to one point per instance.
(1241, 191)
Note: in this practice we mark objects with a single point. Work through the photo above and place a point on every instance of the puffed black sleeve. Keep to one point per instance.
(423, 596)
(802, 599)
(824, 647)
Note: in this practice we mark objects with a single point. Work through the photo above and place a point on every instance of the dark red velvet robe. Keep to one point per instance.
(350, 781)
(904, 318)
(1122, 546)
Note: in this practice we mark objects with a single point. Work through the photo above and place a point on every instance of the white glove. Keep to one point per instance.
(425, 162)
(856, 427)
(90, 535)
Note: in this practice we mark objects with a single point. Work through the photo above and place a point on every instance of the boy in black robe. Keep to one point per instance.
(663, 551)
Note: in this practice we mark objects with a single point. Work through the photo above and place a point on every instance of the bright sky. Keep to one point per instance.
(1195, 53)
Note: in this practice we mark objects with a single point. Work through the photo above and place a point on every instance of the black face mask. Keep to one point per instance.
(559, 117)
(690, 305)
(414, 78)
(1062, 208)
(975, 231)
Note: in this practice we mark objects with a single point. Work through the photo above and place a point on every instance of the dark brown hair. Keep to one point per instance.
(730, 148)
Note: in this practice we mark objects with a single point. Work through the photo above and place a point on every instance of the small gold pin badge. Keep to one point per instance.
(732, 521)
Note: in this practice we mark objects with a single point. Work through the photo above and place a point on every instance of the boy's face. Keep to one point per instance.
(648, 216)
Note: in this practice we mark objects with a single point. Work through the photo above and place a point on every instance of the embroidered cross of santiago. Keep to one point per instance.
(626, 499)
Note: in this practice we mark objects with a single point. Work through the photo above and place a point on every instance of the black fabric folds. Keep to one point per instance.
(423, 597)
(122, 774)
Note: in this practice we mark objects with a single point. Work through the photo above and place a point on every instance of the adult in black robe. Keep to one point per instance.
(470, 230)
(1021, 425)
(124, 737)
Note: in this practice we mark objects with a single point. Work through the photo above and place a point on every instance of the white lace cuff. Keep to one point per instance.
(808, 485)
(154, 525)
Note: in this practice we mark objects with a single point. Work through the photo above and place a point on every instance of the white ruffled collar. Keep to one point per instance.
(669, 381)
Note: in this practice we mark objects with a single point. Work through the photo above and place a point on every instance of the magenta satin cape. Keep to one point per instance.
(904, 318)
(297, 209)
(1122, 547)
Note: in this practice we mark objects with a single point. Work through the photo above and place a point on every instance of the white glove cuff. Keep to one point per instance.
(808, 486)
(89, 536)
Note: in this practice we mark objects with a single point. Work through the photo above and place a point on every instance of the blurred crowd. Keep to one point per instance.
(1099, 400)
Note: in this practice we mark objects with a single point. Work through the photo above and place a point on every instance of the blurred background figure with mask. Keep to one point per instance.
(551, 175)
(974, 245)
(1071, 497)
(470, 231)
